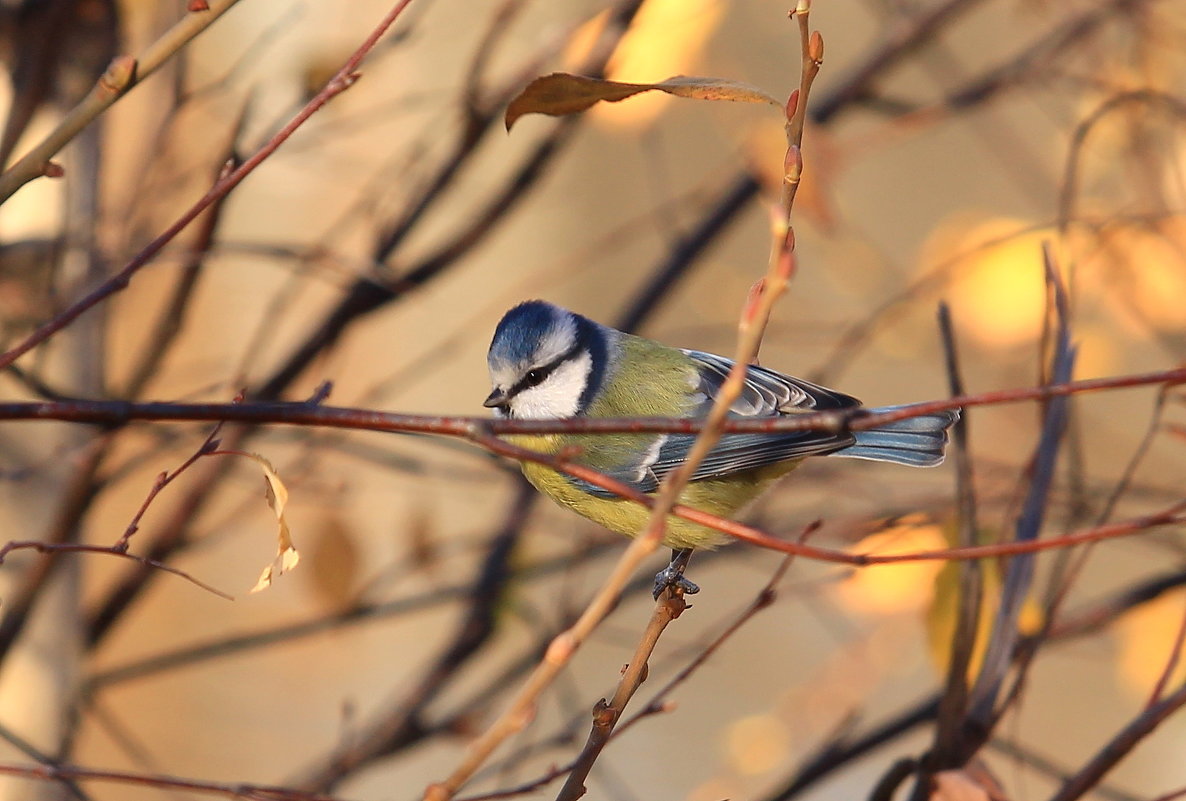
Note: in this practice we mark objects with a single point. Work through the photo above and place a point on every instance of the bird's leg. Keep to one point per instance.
(673, 574)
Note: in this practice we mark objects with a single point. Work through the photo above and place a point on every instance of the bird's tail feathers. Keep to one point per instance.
(915, 441)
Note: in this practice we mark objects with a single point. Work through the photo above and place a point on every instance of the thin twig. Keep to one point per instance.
(124, 73)
(1120, 746)
(238, 790)
(606, 715)
(119, 413)
(947, 750)
(982, 705)
(657, 704)
(110, 550)
(163, 480)
(1171, 665)
(340, 82)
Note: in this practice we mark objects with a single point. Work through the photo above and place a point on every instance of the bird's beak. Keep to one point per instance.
(496, 399)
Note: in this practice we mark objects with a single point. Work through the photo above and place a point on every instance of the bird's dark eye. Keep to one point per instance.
(535, 377)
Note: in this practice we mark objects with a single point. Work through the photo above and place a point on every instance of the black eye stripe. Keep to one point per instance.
(542, 372)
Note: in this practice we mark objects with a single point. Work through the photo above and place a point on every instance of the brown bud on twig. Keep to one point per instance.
(197, 5)
(753, 300)
(792, 165)
(787, 261)
(815, 47)
(792, 103)
(52, 170)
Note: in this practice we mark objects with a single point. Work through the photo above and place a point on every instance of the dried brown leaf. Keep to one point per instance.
(286, 553)
(562, 93)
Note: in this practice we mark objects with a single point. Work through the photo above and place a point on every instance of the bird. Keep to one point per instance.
(549, 363)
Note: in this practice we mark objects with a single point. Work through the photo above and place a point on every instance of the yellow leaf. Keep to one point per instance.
(286, 553)
(561, 93)
(941, 616)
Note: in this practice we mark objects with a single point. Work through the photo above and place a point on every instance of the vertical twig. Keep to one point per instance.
(982, 710)
(947, 750)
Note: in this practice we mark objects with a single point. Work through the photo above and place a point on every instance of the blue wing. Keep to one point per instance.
(764, 394)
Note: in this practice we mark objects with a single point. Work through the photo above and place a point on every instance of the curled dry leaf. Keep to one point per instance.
(562, 93)
(286, 553)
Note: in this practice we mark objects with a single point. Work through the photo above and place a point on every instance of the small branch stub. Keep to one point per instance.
(119, 75)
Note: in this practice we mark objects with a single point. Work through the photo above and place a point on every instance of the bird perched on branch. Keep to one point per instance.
(547, 362)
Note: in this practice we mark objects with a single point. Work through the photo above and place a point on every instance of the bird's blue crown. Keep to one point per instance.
(523, 328)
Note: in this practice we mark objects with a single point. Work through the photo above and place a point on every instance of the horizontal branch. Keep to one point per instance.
(236, 790)
(119, 413)
(342, 80)
(110, 550)
(484, 432)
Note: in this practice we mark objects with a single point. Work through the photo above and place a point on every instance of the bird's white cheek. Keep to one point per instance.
(558, 396)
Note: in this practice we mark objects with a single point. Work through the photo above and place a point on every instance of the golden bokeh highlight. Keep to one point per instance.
(893, 589)
(1142, 267)
(997, 287)
(756, 744)
(1146, 638)
(666, 39)
(580, 44)
(1096, 352)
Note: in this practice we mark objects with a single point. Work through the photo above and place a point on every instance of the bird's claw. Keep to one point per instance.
(673, 576)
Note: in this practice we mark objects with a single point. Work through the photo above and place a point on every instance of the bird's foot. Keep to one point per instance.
(673, 575)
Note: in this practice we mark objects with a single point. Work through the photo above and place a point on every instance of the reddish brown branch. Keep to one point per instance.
(1120, 746)
(340, 82)
(118, 413)
(111, 550)
(238, 790)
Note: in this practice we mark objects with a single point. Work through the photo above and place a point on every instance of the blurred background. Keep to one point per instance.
(947, 141)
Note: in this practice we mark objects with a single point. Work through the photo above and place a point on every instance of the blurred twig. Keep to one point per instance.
(391, 728)
(982, 704)
(947, 750)
(606, 714)
(340, 82)
(124, 73)
(372, 292)
(235, 790)
(1120, 745)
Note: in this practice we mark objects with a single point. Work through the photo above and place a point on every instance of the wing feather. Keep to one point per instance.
(765, 393)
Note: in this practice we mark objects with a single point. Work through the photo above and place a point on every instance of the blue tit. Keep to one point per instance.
(548, 363)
